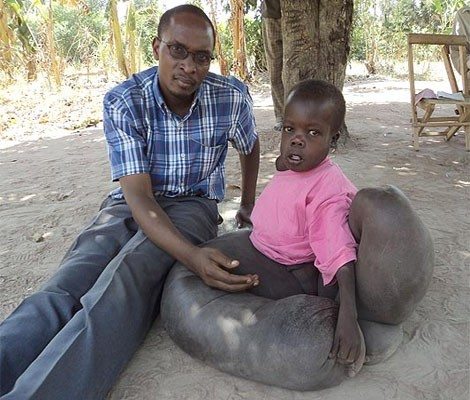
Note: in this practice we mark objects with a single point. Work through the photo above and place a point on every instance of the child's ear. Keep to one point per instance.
(334, 141)
(334, 138)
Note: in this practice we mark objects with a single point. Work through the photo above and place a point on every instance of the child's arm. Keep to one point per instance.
(348, 345)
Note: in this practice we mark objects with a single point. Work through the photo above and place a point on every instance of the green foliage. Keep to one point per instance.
(81, 30)
(226, 41)
(78, 32)
(254, 43)
(380, 28)
(146, 20)
(23, 32)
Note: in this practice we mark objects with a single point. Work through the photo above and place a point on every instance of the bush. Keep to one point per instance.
(78, 32)
(380, 28)
(254, 43)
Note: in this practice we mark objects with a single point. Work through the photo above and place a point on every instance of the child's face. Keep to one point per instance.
(306, 135)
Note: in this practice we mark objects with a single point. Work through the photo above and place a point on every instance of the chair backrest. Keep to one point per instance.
(445, 41)
(450, 71)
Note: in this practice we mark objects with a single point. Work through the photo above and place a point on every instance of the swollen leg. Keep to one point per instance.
(395, 255)
(27, 331)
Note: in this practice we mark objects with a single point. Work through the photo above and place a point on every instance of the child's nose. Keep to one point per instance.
(297, 141)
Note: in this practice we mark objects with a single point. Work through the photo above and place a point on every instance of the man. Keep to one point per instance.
(272, 38)
(167, 130)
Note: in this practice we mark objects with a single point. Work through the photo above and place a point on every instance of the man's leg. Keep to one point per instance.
(27, 331)
(272, 36)
(86, 356)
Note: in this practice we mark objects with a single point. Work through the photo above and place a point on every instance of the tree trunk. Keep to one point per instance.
(224, 70)
(315, 40)
(54, 67)
(239, 54)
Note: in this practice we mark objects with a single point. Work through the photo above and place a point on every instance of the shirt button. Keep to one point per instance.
(183, 156)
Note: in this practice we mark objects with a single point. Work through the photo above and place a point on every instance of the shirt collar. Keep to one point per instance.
(161, 101)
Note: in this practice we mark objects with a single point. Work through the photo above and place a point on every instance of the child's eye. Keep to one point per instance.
(287, 129)
(313, 132)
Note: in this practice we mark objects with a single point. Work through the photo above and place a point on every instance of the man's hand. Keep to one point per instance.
(243, 215)
(348, 345)
(211, 264)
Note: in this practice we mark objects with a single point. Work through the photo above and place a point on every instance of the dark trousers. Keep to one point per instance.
(71, 339)
(277, 281)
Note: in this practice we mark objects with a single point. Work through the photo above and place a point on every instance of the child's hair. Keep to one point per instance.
(321, 91)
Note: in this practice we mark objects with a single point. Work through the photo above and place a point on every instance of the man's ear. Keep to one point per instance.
(156, 47)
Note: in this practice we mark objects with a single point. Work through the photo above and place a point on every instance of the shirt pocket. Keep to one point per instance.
(205, 158)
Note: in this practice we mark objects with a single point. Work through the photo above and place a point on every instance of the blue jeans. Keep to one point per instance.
(72, 338)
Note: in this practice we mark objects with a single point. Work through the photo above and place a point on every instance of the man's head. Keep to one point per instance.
(184, 47)
(313, 115)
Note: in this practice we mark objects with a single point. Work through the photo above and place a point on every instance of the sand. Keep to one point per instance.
(53, 180)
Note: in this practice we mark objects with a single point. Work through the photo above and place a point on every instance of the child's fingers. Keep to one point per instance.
(359, 359)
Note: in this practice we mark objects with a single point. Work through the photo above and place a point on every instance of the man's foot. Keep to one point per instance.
(278, 126)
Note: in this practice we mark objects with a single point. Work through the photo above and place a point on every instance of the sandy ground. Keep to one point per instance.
(53, 180)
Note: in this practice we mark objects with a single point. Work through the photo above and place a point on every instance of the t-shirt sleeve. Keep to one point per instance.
(126, 146)
(330, 236)
(244, 136)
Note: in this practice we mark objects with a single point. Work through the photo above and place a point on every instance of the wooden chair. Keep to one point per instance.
(425, 123)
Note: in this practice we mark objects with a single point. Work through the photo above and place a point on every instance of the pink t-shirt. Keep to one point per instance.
(303, 216)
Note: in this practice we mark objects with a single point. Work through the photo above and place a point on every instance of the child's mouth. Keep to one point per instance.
(294, 158)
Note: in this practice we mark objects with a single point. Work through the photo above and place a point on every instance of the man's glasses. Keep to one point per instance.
(179, 52)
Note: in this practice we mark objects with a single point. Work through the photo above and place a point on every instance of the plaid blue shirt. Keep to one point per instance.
(184, 156)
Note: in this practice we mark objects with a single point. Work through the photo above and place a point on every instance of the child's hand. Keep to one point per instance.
(348, 345)
(211, 264)
(243, 215)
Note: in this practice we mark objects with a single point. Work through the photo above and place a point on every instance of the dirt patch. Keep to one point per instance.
(55, 174)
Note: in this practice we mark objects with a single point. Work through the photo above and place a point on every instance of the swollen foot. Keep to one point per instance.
(382, 340)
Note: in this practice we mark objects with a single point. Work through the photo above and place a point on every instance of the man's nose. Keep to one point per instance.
(188, 64)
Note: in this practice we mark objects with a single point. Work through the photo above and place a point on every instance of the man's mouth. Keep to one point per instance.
(184, 81)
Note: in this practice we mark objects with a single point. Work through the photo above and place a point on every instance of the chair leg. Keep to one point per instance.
(451, 132)
(464, 117)
(467, 137)
(416, 131)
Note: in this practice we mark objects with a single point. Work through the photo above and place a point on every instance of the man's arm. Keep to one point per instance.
(206, 262)
(249, 164)
(348, 345)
